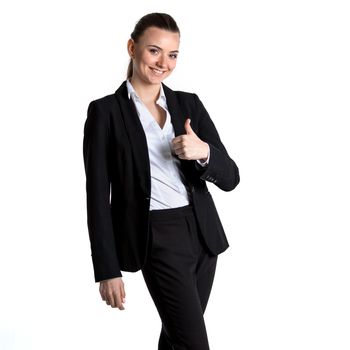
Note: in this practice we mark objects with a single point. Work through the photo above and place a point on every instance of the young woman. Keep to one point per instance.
(148, 152)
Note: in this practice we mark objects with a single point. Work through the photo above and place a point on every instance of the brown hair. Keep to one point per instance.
(155, 19)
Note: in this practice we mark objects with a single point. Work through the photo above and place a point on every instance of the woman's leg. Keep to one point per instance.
(205, 277)
(179, 274)
(164, 342)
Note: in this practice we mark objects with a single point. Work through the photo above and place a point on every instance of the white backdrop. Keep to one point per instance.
(274, 76)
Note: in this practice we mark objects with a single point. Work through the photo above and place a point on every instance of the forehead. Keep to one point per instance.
(160, 37)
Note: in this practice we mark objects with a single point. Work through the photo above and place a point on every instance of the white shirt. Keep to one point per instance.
(168, 185)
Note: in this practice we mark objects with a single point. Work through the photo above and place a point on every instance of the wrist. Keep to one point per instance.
(205, 154)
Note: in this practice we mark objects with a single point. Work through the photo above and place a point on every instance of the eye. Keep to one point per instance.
(173, 56)
(153, 51)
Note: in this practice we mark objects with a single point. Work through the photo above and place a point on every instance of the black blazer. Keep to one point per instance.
(118, 182)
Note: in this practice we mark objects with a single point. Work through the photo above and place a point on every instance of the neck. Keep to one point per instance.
(147, 92)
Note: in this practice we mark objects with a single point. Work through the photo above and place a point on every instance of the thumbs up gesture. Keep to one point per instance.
(189, 146)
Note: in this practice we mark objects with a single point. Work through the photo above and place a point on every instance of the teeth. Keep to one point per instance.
(157, 71)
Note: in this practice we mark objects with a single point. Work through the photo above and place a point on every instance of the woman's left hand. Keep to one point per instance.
(190, 146)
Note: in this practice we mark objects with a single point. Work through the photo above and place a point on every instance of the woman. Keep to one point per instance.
(148, 152)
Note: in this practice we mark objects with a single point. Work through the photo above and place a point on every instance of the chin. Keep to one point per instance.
(156, 80)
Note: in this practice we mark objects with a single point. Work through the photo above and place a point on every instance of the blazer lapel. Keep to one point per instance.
(137, 138)
(178, 118)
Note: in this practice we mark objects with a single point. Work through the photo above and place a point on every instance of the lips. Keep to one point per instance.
(157, 71)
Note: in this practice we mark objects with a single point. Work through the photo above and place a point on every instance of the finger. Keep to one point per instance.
(183, 156)
(123, 294)
(187, 126)
(178, 139)
(115, 299)
(110, 299)
(179, 152)
(103, 294)
(119, 302)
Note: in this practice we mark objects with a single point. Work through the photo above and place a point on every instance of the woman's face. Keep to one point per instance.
(154, 55)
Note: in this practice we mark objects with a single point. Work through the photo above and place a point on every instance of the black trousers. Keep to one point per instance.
(179, 273)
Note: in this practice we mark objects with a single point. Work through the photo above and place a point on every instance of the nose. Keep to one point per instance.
(161, 61)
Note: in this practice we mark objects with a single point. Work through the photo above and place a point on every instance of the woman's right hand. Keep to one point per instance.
(112, 292)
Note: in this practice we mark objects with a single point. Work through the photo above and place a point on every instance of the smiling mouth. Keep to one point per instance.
(157, 71)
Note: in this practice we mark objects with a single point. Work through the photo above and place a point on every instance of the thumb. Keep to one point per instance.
(188, 127)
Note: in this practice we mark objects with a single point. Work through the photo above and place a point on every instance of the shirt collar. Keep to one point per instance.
(133, 93)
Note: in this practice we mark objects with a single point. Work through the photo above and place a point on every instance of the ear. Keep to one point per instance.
(131, 48)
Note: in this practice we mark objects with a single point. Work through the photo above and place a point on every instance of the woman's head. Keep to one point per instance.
(153, 48)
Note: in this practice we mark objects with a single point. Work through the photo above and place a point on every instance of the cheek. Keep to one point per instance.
(147, 58)
(172, 64)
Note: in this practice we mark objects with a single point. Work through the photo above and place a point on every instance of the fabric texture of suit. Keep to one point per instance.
(118, 181)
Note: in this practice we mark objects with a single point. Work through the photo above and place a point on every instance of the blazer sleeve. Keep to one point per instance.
(99, 218)
(221, 169)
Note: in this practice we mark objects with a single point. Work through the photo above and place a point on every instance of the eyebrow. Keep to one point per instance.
(162, 49)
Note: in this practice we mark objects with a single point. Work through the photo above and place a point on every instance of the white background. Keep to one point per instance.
(274, 77)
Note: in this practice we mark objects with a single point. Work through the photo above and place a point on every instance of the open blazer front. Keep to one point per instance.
(118, 180)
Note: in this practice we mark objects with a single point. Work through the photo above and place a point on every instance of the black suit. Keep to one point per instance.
(116, 161)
